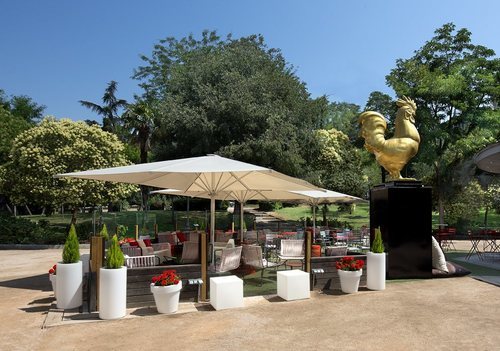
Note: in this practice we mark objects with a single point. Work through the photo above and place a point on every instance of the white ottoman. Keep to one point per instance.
(226, 292)
(293, 285)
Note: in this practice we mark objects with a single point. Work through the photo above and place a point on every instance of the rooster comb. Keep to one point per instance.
(407, 102)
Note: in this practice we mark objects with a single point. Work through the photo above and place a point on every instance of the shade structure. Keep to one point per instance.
(488, 159)
(211, 175)
(312, 197)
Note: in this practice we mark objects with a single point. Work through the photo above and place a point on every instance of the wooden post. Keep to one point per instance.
(136, 231)
(97, 246)
(156, 230)
(308, 251)
(203, 240)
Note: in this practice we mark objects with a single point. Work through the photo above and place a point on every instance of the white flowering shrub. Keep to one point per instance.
(59, 147)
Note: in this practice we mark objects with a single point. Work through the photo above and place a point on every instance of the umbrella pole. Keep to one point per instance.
(241, 221)
(314, 222)
(212, 227)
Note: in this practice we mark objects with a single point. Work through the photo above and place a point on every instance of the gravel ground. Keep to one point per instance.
(440, 314)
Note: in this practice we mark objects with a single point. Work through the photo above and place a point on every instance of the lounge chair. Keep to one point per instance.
(252, 256)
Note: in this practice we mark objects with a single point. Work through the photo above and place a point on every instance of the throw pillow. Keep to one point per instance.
(133, 243)
(147, 242)
(181, 236)
(438, 259)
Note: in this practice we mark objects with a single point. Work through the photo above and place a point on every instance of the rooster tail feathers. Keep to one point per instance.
(373, 126)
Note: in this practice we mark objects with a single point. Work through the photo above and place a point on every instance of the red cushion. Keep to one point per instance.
(181, 236)
(148, 242)
(134, 243)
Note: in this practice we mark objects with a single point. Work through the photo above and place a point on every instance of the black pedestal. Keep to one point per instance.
(403, 211)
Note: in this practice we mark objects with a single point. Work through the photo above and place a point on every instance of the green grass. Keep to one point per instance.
(359, 217)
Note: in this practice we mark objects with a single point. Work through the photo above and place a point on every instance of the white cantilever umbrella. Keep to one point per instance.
(212, 175)
(312, 197)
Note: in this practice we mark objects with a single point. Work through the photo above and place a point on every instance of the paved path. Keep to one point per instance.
(440, 314)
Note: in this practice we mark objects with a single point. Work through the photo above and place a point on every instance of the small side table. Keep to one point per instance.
(293, 285)
(226, 292)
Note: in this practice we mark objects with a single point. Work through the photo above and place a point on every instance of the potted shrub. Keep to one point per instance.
(349, 271)
(113, 284)
(69, 274)
(375, 264)
(166, 289)
(52, 277)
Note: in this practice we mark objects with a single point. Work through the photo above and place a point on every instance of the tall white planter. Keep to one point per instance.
(375, 271)
(167, 297)
(53, 280)
(112, 293)
(69, 285)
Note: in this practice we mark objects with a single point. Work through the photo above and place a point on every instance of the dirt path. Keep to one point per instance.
(444, 314)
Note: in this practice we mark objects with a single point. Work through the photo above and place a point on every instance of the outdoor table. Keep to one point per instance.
(475, 239)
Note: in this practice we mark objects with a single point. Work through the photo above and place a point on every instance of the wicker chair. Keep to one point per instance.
(252, 256)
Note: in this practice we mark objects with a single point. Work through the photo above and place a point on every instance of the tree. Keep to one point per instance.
(109, 109)
(139, 118)
(456, 86)
(22, 106)
(338, 164)
(59, 147)
(10, 127)
(234, 97)
(343, 116)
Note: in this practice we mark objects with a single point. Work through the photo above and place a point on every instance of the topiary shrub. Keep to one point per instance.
(114, 258)
(71, 251)
(104, 232)
(378, 245)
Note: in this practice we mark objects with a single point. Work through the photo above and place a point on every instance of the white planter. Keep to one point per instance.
(69, 285)
(375, 271)
(167, 297)
(349, 280)
(53, 280)
(112, 293)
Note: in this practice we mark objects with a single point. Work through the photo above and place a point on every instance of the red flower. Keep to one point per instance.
(168, 277)
(348, 263)
(53, 270)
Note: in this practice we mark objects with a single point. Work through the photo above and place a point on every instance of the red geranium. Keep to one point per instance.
(53, 269)
(348, 263)
(168, 277)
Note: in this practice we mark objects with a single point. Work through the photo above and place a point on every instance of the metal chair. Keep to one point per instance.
(252, 256)
(291, 250)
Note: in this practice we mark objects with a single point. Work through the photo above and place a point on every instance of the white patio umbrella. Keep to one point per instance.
(312, 197)
(210, 174)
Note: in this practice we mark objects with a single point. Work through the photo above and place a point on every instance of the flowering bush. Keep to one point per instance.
(168, 277)
(53, 269)
(348, 263)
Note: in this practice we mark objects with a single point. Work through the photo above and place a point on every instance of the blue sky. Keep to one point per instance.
(59, 52)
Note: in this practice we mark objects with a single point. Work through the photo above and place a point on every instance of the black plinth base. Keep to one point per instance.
(403, 211)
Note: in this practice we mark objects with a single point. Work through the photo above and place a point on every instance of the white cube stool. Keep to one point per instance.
(293, 285)
(226, 292)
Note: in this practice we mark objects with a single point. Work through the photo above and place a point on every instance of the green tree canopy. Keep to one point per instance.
(22, 106)
(60, 147)
(234, 97)
(10, 127)
(338, 164)
(456, 86)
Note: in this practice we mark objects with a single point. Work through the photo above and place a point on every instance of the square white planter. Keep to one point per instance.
(226, 292)
(293, 285)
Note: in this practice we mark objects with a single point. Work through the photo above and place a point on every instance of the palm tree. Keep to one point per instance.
(109, 109)
(139, 118)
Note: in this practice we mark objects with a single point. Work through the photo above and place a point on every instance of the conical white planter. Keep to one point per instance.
(69, 285)
(375, 271)
(112, 293)
(167, 297)
(349, 280)
(53, 280)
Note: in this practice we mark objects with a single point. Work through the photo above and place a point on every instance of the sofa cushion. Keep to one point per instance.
(438, 259)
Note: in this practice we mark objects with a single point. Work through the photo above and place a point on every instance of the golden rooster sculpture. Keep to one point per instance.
(392, 154)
